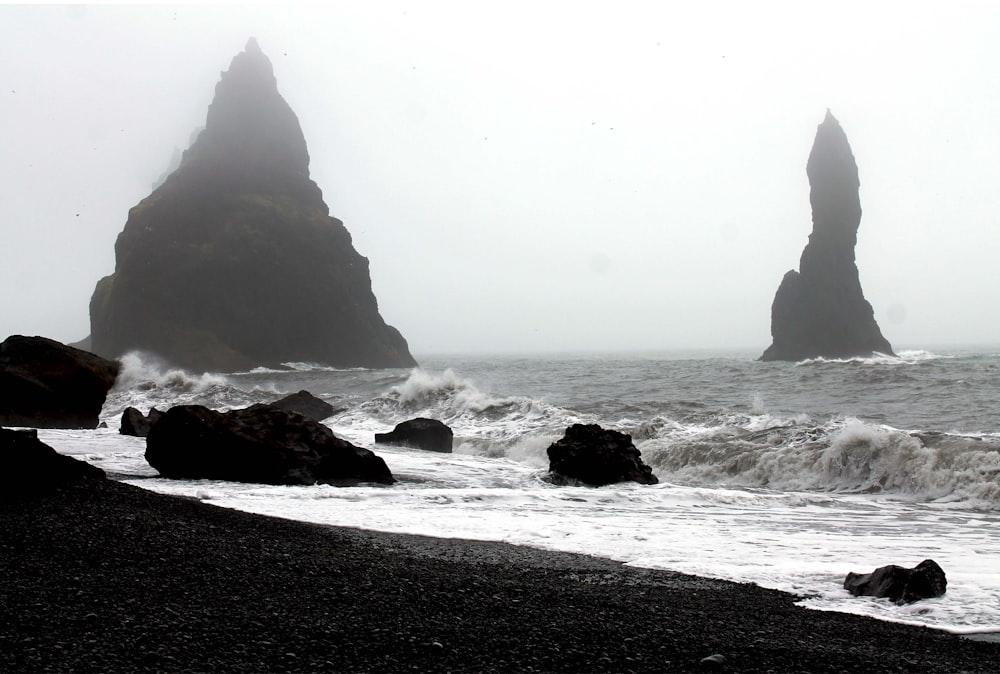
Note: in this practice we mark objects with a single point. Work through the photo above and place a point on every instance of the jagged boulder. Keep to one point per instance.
(234, 261)
(820, 310)
(258, 444)
(46, 384)
(136, 423)
(595, 456)
(419, 433)
(29, 467)
(306, 404)
(898, 584)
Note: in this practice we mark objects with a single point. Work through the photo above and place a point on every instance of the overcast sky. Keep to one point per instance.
(536, 176)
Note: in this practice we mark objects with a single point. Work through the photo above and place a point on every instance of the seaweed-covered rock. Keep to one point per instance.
(258, 444)
(899, 584)
(29, 467)
(306, 404)
(234, 261)
(136, 423)
(820, 310)
(420, 433)
(46, 384)
(593, 455)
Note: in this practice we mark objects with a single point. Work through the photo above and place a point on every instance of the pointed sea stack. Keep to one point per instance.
(820, 311)
(234, 261)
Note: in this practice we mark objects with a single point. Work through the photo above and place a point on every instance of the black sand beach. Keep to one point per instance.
(106, 577)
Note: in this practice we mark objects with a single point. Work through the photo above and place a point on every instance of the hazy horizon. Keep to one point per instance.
(535, 178)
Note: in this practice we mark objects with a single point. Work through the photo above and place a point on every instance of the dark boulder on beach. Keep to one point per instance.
(234, 261)
(46, 384)
(820, 310)
(419, 433)
(261, 444)
(306, 404)
(898, 584)
(595, 456)
(136, 423)
(29, 467)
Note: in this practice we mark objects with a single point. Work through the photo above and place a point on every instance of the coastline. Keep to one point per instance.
(105, 576)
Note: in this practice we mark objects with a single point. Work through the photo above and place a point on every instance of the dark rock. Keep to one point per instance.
(258, 444)
(306, 404)
(595, 456)
(45, 384)
(137, 424)
(898, 584)
(234, 261)
(820, 310)
(32, 468)
(420, 433)
(714, 662)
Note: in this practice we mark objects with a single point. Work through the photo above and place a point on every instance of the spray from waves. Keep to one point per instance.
(843, 455)
(902, 358)
(515, 427)
(145, 382)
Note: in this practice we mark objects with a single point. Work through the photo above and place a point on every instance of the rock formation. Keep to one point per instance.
(234, 261)
(820, 311)
(420, 433)
(46, 384)
(136, 424)
(29, 467)
(595, 456)
(306, 404)
(258, 444)
(898, 584)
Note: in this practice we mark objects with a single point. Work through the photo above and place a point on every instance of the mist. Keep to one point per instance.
(541, 177)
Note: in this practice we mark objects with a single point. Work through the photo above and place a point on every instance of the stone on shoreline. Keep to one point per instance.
(137, 424)
(46, 384)
(306, 404)
(32, 468)
(260, 444)
(419, 433)
(898, 584)
(590, 454)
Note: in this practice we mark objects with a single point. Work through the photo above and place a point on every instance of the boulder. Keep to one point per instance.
(820, 310)
(32, 468)
(137, 424)
(46, 384)
(592, 455)
(899, 584)
(258, 444)
(419, 433)
(234, 260)
(306, 404)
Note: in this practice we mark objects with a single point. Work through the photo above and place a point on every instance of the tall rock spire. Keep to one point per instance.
(234, 261)
(820, 310)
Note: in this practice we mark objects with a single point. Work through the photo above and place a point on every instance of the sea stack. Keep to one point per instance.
(820, 311)
(234, 261)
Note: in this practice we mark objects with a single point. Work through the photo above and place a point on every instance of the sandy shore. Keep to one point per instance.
(111, 578)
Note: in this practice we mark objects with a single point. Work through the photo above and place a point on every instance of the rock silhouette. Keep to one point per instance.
(820, 310)
(234, 261)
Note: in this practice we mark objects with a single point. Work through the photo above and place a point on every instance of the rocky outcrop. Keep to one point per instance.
(46, 384)
(306, 404)
(258, 444)
(29, 467)
(137, 424)
(419, 433)
(234, 261)
(898, 584)
(820, 311)
(592, 455)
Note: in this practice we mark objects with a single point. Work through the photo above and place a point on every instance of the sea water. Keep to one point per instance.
(788, 475)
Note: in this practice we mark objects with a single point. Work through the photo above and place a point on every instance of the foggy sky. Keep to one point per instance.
(536, 177)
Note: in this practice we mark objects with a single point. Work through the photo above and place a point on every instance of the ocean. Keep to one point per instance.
(788, 475)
